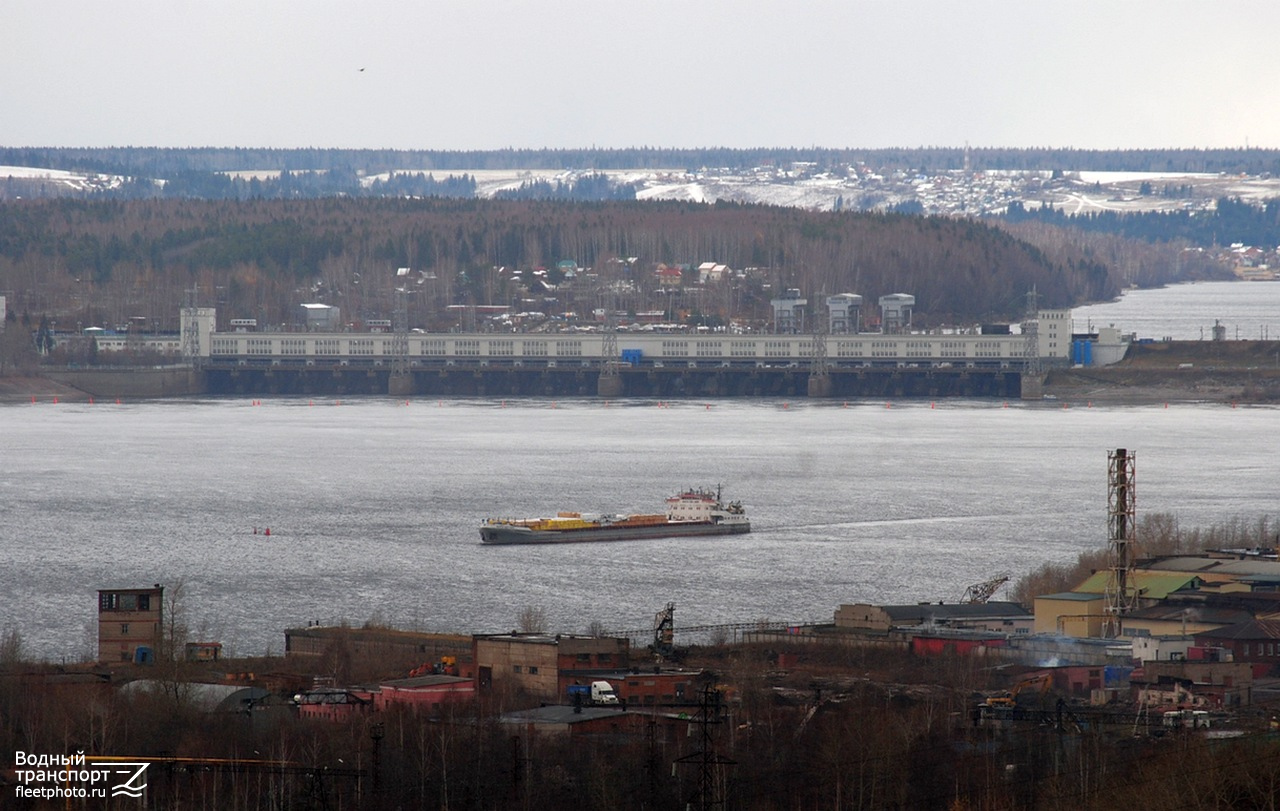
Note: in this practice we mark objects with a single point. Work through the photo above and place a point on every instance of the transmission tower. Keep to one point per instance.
(400, 333)
(819, 379)
(1121, 595)
(609, 357)
(710, 763)
(609, 384)
(191, 329)
(1031, 336)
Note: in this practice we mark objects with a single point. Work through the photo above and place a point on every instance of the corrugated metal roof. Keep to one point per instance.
(938, 611)
(1153, 586)
(1248, 630)
(1215, 566)
(560, 714)
(1074, 596)
(433, 680)
(1176, 612)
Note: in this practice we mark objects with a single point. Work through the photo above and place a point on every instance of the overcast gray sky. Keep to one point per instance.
(562, 73)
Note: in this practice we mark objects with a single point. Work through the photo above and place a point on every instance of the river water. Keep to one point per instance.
(374, 505)
(1250, 311)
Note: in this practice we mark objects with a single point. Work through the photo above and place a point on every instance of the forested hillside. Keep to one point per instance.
(102, 262)
(1232, 221)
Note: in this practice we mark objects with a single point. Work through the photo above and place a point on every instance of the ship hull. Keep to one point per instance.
(510, 535)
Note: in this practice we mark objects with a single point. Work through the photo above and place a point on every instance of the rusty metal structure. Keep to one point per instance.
(1121, 595)
(980, 593)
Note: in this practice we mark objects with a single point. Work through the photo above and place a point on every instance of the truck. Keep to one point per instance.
(598, 692)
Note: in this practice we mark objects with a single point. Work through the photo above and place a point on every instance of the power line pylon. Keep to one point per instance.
(710, 763)
(609, 384)
(1031, 336)
(400, 382)
(191, 329)
(819, 369)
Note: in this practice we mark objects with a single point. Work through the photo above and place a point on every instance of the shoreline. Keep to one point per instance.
(1070, 387)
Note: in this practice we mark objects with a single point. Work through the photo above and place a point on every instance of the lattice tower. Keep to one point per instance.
(1031, 336)
(400, 334)
(191, 329)
(818, 366)
(1121, 595)
(610, 359)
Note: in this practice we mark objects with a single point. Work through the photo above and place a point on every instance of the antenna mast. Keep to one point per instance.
(1121, 596)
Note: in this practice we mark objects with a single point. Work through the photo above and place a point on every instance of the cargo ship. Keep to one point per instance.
(690, 513)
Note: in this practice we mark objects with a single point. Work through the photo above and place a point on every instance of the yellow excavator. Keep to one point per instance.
(1037, 685)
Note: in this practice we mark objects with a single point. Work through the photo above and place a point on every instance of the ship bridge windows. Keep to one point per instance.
(111, 601)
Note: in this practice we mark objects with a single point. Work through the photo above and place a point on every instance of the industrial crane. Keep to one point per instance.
(981, 592)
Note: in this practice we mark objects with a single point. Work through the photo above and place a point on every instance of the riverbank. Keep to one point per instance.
(1182, 371)
(26, 389)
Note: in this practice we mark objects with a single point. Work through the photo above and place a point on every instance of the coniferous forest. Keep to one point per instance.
(334, 225)
(101, 262)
